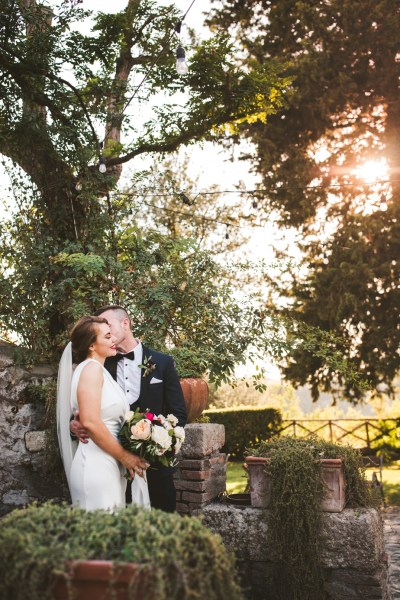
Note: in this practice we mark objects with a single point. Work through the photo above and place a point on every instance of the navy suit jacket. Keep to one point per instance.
(165, 397)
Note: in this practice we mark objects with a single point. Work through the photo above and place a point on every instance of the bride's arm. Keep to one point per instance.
(89, 401)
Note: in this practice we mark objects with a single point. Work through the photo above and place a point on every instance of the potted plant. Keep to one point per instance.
(56, 551)
(288, 481)
(192, 370)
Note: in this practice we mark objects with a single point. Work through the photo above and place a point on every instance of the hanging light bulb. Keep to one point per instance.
(254, 203)
(181, 64)
(227, 232)
(383, 204)
(102, 165)
(78, 186)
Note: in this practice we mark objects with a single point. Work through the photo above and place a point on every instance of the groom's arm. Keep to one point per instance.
(173, 395)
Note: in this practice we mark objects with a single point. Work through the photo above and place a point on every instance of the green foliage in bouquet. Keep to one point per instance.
(177, 556)
(294, 515)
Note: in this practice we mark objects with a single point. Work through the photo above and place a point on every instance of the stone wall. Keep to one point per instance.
(353, 558)
(22, 435)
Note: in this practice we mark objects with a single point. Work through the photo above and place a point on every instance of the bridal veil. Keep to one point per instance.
(64, 410)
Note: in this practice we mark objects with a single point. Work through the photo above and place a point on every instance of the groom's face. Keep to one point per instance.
(118, 327)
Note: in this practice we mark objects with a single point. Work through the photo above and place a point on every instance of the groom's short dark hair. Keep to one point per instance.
(121, 310)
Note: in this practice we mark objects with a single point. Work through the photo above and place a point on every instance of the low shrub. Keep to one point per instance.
(177, 556)
(245, 427)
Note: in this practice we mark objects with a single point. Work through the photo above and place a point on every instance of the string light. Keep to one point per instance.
(102, 165)
(157, 58)
(181, 64)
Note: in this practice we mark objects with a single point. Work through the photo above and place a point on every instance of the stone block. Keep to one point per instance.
(195, 475)
(199, 465)
(35, 441)
(16, 497)
(202, 439)
(218, 470)
(215, 485)
(198, 497)
(352, 539)
(194, 486)
(220, 458)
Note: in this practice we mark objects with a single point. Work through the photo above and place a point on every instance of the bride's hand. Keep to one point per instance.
(134, 464)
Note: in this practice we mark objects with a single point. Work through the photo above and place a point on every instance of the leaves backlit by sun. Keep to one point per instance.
(372, 171)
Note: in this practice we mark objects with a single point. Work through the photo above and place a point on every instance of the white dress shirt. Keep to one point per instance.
(129, 374)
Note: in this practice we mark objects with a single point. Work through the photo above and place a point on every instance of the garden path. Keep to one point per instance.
(392, 543)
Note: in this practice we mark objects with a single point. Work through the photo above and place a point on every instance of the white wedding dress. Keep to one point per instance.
(96, 478)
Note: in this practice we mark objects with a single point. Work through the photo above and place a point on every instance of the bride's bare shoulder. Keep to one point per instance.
(91, 372)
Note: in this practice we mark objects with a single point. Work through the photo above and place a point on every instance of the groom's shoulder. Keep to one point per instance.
(156, 355)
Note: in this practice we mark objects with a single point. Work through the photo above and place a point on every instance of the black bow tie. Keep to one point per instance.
(129, 356)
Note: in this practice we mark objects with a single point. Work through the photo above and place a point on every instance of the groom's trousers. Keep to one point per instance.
(161, 488)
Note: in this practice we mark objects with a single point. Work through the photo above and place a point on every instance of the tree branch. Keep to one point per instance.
(189, 135)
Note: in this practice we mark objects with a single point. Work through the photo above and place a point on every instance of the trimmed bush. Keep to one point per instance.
(245, 427)
(178, 557)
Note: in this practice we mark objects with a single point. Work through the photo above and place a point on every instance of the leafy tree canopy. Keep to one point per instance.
(68, 98)
(344, 60)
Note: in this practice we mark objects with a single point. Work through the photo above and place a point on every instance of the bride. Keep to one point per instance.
(95, 471)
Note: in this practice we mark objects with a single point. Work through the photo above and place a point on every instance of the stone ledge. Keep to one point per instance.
(353, 563)
(352, 539)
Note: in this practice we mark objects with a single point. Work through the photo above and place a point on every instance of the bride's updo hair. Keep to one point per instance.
(82, 336)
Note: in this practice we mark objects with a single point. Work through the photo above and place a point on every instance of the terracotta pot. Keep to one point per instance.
(96, 580)
(331, 472)
(195, 393)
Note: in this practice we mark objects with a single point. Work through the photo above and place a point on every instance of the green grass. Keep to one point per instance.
(236, 480)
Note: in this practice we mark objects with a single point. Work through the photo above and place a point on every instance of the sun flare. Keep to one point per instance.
(372, 170)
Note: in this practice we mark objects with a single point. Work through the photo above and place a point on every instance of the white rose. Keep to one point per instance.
(129, 415)
(172, 419)
(142, 430)
(160, 436)
(179, 433)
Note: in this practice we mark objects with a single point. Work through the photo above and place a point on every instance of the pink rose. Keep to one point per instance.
(149, 416)
(142, 430)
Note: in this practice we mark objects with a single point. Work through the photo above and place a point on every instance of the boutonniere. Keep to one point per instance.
(148, 366)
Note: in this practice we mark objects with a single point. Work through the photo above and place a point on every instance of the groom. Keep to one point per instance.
(150, 381)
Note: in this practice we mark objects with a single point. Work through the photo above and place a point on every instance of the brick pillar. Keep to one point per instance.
(201, 471)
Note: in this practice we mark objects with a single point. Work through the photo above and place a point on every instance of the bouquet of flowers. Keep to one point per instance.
(154, 437)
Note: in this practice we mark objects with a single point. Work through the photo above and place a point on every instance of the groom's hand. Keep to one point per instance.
(77, 430)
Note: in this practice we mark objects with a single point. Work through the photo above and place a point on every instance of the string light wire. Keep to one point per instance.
(155, 61)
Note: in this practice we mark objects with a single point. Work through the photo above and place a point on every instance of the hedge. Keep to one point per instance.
(245, 427)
